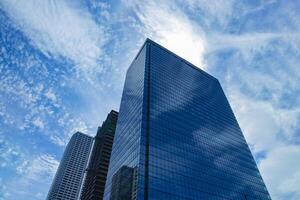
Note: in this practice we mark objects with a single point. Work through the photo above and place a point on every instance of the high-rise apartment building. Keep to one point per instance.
(95, 177)
(177, 130)
(69, 175)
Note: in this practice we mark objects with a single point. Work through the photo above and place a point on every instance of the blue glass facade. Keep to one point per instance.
(177, 129)
(128, 146)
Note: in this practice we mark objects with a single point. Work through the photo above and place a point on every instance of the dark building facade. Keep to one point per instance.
(124, 184)
(95, 177)
(177, 129)
(69, 175)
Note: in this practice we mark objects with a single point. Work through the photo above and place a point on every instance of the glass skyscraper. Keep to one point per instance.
(68, 178)
(177, 132)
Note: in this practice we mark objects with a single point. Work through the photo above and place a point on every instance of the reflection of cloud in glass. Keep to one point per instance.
(124, 184)
(127, 148)
(189, 144)
(196, 145)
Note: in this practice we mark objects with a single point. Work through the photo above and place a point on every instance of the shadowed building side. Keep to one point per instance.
(124, 184)
(95, 177)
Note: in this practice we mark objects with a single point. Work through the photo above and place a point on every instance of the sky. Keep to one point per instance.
(63, 64)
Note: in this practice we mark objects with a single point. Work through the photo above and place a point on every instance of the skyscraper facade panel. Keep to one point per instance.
(196, 148)
(96, 172)
(128, 143)
(178, 132)
(68, 179)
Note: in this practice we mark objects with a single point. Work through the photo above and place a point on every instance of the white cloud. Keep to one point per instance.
(33, 178)
(38, 123)
(59, 29)
(248, 44)
(270, 127)
(166, 24)
(262, 6)
(37, 168)
(10, 154)
(281, 170)
(264, 126)
(246, 41)
(50, 95)
(26, 105)
(3, 190)
(58, 140)
(214, 11)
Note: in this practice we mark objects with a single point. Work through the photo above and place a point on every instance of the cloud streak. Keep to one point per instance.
(33, 179)
(59, 29)
(282, 172)
(169, 26)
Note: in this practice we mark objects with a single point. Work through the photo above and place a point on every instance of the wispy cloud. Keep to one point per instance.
(272, 133)
(212, 13)
(10, 154)
(168, 25)
(262, 87)
(265, 126)
(59, 29)
(281, 170)
(33, 178)
(31, 100)
(248, 41)
(38, 167)
(257, 61)
(248, 44)
(252, 47)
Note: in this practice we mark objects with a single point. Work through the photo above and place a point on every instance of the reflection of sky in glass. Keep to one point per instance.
(126, 147)
(181, 124)
(197, 150)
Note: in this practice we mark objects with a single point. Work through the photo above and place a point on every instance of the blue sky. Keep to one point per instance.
(63, 62)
